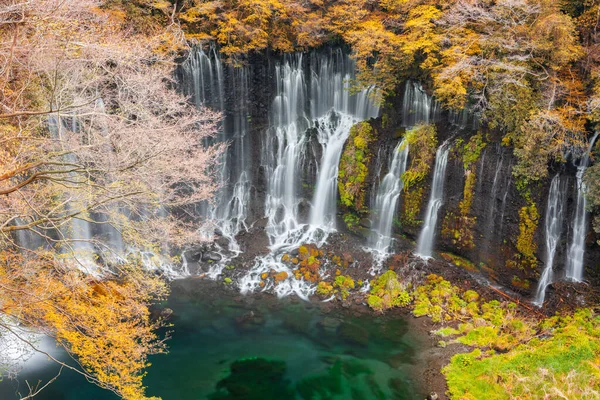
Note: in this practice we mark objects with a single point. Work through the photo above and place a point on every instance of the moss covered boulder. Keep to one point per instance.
(354, 167)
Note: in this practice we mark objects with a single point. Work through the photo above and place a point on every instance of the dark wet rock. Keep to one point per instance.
(211, 256)
(222, 242)
(202, 268)
(194, 253)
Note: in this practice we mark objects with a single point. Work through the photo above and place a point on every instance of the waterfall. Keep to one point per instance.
(417, 106)
(575, 267)
(427, 236)
(231, 210)
(331, 112)
(111, 245)
(312, 96)
(284, 144)
(206, 80)
(386, 203)
(494, 192)
(491, 202)
(505, 197)
(27, 239)
(78, 236)
(333, 133)
(203, 78)
(553, 228)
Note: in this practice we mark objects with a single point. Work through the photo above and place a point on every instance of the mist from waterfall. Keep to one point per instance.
(555, 214)
(575, 267)
(386, 203)
(427, 235)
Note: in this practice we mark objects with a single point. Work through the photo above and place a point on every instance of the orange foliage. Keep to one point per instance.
(104, 324)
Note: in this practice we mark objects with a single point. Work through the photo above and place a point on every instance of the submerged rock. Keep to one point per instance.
(329, 324)
(250, 321)
(255, 379)
(353, 334)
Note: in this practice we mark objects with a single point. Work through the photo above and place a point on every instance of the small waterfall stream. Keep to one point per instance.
(427, 235)
(283, 146)
(333, 133)
(555, 213)
(575, 267)
(386, 203)
(231, 210)
(418, 107)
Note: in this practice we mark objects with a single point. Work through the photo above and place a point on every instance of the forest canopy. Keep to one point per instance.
(527, 68)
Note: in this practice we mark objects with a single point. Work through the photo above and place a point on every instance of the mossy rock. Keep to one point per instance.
(354, 167)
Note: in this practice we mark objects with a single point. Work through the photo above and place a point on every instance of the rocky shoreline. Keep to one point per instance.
(344, 254)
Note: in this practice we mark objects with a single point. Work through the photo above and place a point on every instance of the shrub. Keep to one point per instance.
(388, 292)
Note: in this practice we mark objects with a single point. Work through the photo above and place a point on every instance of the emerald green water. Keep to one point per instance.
(259, 348)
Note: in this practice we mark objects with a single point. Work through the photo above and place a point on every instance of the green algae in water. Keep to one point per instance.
(259, 348)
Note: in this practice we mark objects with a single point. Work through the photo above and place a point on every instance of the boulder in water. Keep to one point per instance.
(195, 252)
(211, 256)
(222, 241)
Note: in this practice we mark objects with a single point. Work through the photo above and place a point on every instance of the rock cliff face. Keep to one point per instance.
(483, 218)
(495, 224)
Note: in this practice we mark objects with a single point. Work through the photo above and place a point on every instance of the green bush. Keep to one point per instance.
(388, 292)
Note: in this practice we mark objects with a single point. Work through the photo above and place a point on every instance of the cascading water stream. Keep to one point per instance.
(418, 106)
(231, 210)
(386, 203)
(316, 102)
(427, 236)
(282, 151)
(575, 267)
(333, 133)
(204, 79)
(555, 213)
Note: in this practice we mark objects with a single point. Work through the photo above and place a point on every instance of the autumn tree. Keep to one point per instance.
(93, 133)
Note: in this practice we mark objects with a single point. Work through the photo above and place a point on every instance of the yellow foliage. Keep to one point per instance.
(105, 324)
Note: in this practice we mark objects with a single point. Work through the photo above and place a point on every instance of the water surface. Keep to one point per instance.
(225, 346)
